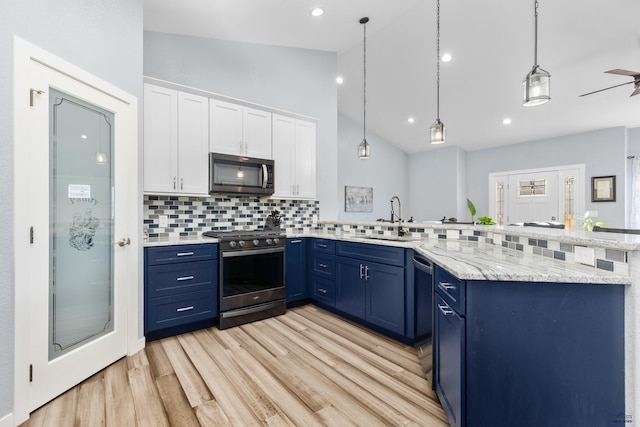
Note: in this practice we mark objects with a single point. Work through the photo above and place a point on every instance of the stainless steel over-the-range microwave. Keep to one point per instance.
(240, 175)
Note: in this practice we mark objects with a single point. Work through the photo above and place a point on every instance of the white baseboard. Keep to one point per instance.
(139, 345)
(7, 421)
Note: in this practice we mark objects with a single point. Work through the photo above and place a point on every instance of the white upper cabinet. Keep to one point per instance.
(176, 142)
(239, 130)
(294, 152)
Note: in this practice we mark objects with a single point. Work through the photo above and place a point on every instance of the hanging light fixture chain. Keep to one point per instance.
(438, 63)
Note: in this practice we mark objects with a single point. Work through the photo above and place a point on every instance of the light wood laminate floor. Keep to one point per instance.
(305, 368)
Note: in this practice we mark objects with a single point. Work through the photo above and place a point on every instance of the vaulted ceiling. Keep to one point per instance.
(491, 43)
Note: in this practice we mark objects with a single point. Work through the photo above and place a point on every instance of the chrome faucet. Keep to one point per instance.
(393, 214)
(401, 230)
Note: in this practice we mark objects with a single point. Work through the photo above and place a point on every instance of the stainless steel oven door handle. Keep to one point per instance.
(249, 310)
(265, 176)
(250, 252)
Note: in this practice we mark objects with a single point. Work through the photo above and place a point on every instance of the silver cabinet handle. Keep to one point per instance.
(322, 265)
(445, 309)
(366, 272)
(184, 254)
(175, 182)
(182, 279)
(323, 291)
(446, 285)
(124, 242)
(322, 245)
(361, 271)
(181, 184)
(181, 309)
(295, 241)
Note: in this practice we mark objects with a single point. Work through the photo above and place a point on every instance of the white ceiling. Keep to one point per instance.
(491, 42)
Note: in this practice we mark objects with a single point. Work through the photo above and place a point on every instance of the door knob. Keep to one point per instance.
(123, 242)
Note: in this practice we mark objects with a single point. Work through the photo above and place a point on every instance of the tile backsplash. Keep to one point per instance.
(189, 216)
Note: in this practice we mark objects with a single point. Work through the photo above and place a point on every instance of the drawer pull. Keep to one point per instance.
(447, 286)
(366, 272)
(322, 291)
(296, 241)
(445, 309)
(361, 271)
(181, 309)
(322, 265)
(182, 279)
(322, 245)
(184, 254)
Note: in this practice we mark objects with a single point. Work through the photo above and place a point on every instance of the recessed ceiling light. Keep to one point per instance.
(317, 12)
(446, 57)
(506, 121)
(411, 120)
(339, 80)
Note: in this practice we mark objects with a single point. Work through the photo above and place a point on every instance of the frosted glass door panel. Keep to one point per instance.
(81, 223)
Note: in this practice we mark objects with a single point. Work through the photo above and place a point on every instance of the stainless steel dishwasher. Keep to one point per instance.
(423, 277)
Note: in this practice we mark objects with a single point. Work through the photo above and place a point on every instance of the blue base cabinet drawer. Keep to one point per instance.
(324, 245)
(323, 290)
(181, 253)
(451, 289)
(324, 265)
(170, 279)
(175, 310)
(371, 252)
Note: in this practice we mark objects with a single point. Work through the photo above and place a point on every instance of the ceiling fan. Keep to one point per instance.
(636, 81)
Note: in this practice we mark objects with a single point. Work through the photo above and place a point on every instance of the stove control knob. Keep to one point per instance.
(276, 241)
(269, 242)
(256, 242)
(241, 243)
(232, 244)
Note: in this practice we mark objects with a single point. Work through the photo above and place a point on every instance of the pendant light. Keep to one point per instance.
(437, 128)
(364, 150)
(537, 83)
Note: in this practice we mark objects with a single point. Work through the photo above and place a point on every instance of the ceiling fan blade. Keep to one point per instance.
(635, 92)
(623, 72)
(596, 91)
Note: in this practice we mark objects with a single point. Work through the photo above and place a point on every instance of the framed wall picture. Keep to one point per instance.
(358, 199)
(603, 188)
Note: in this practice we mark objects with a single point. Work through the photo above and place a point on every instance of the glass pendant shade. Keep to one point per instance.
(364, 150)
(437, 132)
(536, 87)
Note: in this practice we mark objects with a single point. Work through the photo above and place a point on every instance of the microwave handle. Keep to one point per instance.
(265, 176)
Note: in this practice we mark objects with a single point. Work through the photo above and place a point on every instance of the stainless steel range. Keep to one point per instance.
(252, 276)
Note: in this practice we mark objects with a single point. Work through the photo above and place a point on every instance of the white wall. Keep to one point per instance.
(103, 37)
(385, 172)
(437, 184)
(297, 80)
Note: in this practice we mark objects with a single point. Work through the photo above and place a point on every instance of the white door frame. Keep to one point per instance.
(23, 55)
(563, 171)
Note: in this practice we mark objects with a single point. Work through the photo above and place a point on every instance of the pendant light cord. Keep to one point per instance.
(364, 82)
(535, 43)
(438, 65)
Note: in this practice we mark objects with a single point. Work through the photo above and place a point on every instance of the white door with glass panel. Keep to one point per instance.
(81, 231)
(533, 197)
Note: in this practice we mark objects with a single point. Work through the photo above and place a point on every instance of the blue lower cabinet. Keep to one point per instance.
(350, 286)
(296, 271)
(529, 354)
(385, 297)
(180, 288)
(372, 292)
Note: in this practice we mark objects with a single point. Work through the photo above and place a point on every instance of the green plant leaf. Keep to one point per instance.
(471, 207)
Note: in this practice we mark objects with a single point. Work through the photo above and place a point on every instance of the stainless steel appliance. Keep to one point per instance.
(252, 281)
(240, 175)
